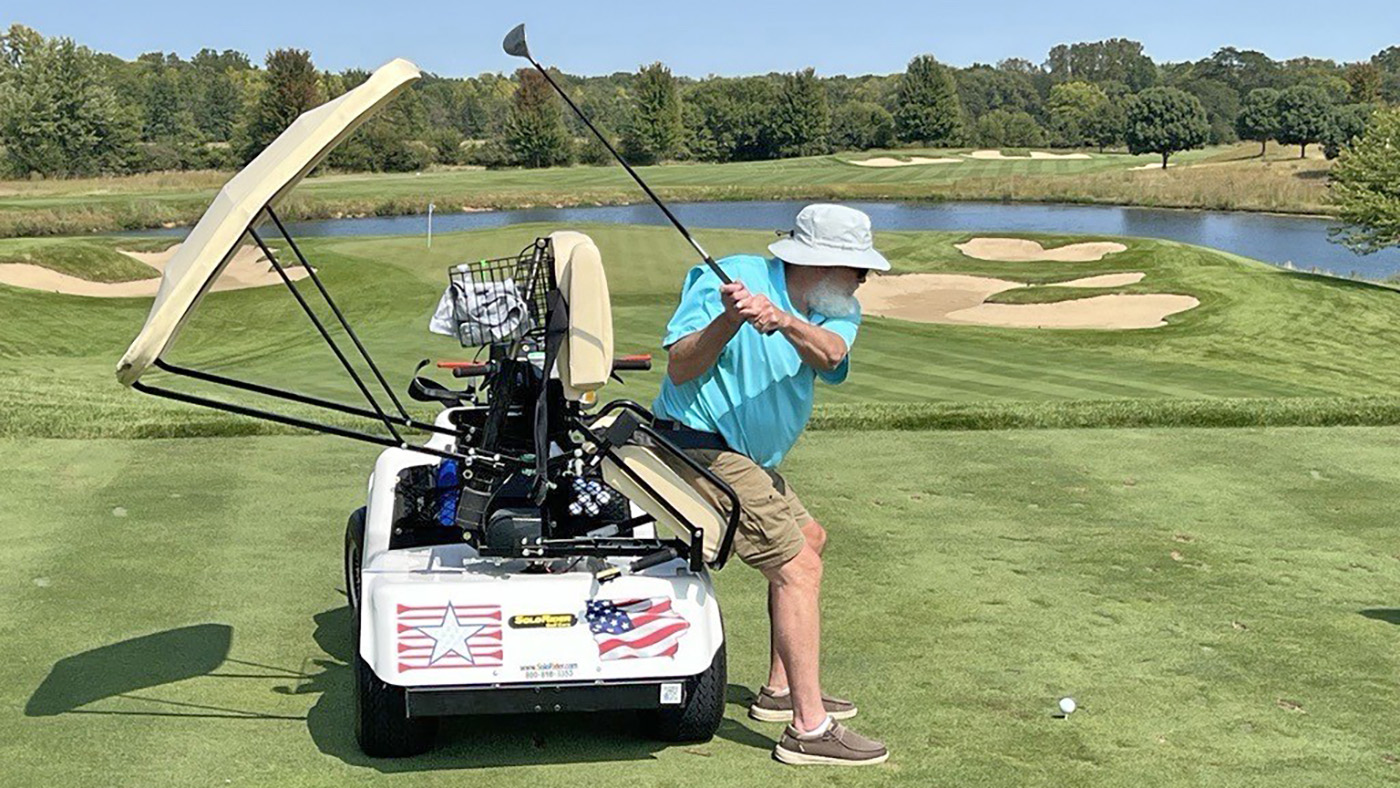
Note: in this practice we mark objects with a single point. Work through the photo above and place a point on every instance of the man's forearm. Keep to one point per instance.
(819, 347)
(693, 354)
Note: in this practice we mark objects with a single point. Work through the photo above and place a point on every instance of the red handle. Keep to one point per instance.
(640, 361)
(465, 369)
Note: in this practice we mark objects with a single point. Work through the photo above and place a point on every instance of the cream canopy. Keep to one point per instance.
(238, 207)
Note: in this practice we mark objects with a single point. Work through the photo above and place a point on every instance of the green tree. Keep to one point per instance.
(290, 88)
(57, 117)
(169, 111)
(1364, 82)
(927, 110)
(1107, 127)
(1258, 118)
(729, 117)
(1165, 121)
(1304, 113)
(1366, 186)
(861, 125)
(654, 130)
(982, 88)
(1071, 105)
(1007, 128)
(1244, 71)
(1348, 123)
(535, 132)
(799, 123)
(1222, 105)
(1116, 60)
(219, 101)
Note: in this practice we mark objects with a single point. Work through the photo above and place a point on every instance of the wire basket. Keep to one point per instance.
(502, 300)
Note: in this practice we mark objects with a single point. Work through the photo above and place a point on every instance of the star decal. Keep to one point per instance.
(451, 637)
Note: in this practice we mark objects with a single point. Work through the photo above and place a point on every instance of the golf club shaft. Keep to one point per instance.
(710, 261)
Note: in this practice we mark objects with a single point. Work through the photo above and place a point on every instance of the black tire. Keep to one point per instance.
(383, 728)
(699, 717)
(354, 553)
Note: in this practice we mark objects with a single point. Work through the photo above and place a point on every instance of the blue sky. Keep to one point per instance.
(717, 36)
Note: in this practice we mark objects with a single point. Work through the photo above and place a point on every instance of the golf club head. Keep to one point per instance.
(514, 44)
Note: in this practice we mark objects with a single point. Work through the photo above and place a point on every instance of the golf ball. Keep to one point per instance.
(1067, 705)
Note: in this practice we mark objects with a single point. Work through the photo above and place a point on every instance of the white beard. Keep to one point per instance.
(831, 302)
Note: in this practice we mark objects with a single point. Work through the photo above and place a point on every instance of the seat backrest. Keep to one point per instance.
(586, 354)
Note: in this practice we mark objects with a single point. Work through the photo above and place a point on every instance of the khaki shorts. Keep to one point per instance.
(771, 517)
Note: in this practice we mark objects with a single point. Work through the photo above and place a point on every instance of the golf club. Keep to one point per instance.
(515, 45)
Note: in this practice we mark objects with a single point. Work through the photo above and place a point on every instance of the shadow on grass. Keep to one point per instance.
(483, 742)
(1389, 615)
(121, 669)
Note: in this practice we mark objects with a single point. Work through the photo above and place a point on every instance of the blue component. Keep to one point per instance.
(449, 492)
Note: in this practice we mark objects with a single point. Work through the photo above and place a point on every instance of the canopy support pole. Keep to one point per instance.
(326, 335)
(305, 399)
(291, 421)
(311, 273)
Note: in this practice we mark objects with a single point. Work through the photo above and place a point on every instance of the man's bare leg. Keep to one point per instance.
(777, 675)
(795, 592)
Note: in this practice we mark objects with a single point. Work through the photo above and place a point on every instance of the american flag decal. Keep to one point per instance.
(635, 628)
(448, 636)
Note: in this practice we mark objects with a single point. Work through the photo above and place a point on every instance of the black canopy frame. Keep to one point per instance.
(392, 419)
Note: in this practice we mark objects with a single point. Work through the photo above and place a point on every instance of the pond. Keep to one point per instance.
(1296, 240)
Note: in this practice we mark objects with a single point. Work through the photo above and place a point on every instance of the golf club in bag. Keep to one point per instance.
(516, 46)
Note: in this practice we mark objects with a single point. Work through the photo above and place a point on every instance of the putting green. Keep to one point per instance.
(1220, 603)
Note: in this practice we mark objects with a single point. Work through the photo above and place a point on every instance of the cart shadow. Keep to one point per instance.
(119, 670)
(478, 742)
(1389, 615)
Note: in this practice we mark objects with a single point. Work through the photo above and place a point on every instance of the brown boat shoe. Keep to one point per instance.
(768, 707)
(836, 746)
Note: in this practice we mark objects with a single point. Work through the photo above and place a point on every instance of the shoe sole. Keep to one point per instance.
(803, 759)
(773, 715)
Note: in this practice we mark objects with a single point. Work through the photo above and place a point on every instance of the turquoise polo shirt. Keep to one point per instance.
(759, 393)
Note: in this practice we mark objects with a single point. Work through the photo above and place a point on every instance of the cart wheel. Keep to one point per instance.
(383, 728)
(354, 552)
(699, 717)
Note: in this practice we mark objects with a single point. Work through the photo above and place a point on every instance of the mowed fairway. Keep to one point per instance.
(1221, 603)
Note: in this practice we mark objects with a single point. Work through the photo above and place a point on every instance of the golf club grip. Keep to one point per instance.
(653, 559)
(710, 261)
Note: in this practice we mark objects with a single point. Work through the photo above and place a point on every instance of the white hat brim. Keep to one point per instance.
(790, 250)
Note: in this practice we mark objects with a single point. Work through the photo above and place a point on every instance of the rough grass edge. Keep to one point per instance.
(18, 422)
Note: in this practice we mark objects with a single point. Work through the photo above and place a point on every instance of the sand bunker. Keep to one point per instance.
(1019, 250)
(996, 155)
(886, 161)
(1152, 165)
(1118, 311)
(961, 299)
(248, 268)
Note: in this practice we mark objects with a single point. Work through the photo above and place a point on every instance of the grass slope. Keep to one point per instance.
(1235, 179)
(1220, 604)
(1260, 333)
(96, 259)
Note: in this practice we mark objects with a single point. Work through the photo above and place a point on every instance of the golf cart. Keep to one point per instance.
(531, 550)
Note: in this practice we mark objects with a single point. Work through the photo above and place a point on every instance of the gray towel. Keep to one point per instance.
(481, 313)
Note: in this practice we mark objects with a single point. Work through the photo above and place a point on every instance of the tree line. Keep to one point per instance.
(66, 110)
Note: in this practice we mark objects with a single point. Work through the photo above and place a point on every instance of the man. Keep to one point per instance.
(743, 361)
